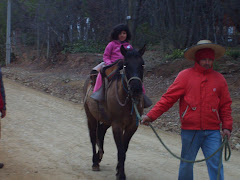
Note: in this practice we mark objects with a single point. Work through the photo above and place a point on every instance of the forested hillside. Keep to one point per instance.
(51, 27)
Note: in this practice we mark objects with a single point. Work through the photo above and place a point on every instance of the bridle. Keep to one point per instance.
(132, 78)
(127, 90)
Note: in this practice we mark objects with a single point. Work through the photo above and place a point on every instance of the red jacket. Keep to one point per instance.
(204, 100)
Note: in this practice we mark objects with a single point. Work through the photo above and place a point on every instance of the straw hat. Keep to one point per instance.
(218, 49)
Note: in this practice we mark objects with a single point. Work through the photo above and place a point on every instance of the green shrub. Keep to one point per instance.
(177, 53)
(233, 53)
(81, 46)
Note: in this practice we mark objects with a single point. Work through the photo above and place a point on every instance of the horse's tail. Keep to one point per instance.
(86, 88)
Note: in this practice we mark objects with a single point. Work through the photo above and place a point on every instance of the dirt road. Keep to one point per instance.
(46, 138)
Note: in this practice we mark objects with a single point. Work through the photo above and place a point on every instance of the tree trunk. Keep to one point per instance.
(48, 42)
(193, 22)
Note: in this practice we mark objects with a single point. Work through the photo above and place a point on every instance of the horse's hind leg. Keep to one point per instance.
(102, 129)
(92, 126)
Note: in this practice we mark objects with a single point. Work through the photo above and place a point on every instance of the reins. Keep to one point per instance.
(224, 145)
(117, 96)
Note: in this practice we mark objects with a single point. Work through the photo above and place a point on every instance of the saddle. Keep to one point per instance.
(107, 72)
(112, 69)
(94, 72)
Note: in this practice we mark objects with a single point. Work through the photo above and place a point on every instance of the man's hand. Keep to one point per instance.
(3, 112)
(146, 120)
(226, 132)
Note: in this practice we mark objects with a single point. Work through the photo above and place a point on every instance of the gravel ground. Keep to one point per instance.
(46, 138)
(66, 78)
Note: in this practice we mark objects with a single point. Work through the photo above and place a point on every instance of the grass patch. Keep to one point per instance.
(235, 54)
(82, 46)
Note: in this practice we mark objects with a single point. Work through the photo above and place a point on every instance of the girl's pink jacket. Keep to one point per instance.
(204, 100)
(112, 52)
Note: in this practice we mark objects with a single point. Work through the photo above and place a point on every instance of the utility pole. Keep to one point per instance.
(129, 17)
(8, 38)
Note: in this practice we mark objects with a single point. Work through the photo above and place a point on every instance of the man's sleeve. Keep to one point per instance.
(174, 92)
(225, 109)
(2, 91)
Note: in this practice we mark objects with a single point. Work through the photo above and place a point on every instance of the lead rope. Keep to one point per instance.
(224, 145)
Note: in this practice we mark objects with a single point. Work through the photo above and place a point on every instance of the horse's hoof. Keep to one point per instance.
(1, 165)
(95, 168)
(118, 177)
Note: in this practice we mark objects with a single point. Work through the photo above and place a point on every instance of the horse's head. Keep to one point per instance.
(133, 67)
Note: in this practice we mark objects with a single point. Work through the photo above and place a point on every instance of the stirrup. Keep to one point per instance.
(147, 102)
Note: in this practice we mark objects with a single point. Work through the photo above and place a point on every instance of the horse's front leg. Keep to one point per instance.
(128, 133)
(118, 137)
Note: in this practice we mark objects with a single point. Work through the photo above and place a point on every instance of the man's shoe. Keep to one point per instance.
(1, 165)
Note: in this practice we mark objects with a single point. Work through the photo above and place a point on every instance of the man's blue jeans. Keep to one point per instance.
(209, 141)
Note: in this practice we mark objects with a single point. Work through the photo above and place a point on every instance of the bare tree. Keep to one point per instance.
(50, 26)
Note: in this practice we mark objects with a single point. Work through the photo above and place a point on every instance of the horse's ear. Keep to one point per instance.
(123, 50)
(141, 51)
(120, 64)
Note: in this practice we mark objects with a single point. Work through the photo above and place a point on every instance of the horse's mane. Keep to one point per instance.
(132, 53)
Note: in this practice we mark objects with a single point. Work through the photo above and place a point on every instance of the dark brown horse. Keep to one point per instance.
(117, 110)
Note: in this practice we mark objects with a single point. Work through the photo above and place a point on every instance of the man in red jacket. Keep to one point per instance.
(204, 107)
(2, 104)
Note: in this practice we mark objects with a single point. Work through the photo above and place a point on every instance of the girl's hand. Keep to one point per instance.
(146, 120)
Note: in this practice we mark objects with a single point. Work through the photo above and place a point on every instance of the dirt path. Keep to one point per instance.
(46, 138)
